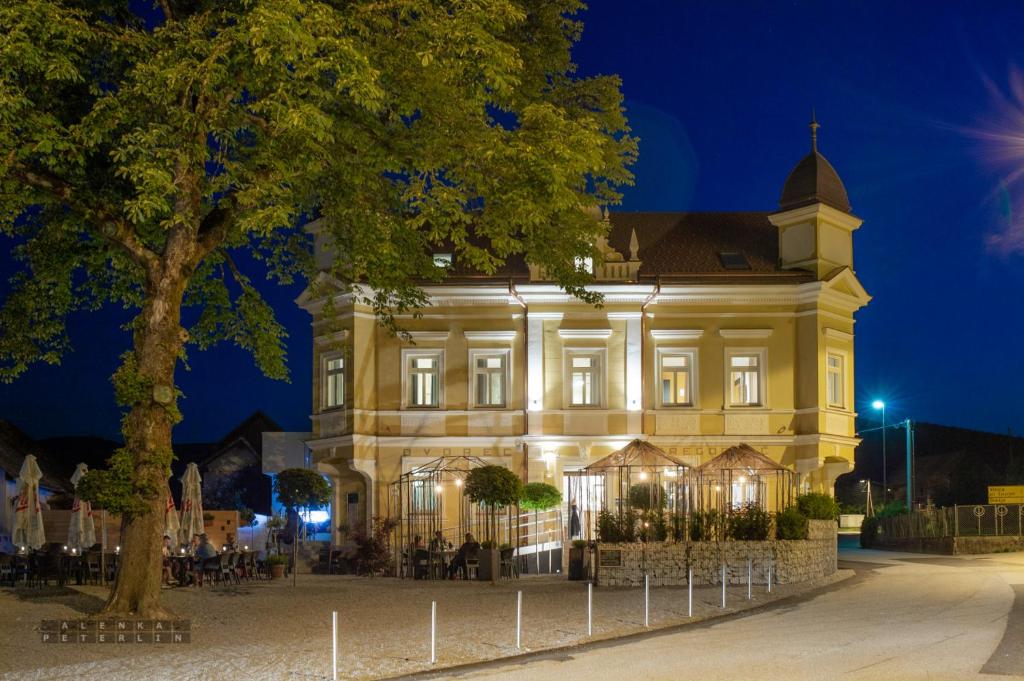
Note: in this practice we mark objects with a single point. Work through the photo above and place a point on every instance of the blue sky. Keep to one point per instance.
(918, 116)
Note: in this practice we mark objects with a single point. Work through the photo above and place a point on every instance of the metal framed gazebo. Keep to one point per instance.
(430, 497)
(742, 476)
(646, 490)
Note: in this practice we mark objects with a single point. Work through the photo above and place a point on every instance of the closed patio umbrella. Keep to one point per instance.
(191, 504)
(172, 524)
(28, 513)
(82, 528)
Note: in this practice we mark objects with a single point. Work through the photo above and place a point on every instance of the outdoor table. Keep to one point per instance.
(71, 564)
(180, 564)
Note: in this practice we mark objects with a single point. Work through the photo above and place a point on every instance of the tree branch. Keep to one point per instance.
(113, 228)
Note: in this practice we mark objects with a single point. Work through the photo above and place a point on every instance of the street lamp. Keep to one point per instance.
(880, 405)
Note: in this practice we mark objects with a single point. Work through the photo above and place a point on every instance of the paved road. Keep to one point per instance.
(904, 616)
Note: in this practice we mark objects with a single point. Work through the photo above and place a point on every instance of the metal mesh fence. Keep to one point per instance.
(977, 520)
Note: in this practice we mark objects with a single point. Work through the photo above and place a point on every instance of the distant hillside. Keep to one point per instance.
(952, 465)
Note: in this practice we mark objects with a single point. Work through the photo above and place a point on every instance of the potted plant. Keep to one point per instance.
(301, 487)
(577, 558)
(536, 497)
(496, 488)
(276, 564)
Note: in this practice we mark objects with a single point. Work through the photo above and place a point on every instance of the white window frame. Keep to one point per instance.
(692, 354)
(325, 375)
(408, 354)
(844, 364)
(506, 355)
(762, 377)
(601, 385)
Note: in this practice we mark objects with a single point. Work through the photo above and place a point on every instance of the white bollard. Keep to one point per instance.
(519, 619)
(647, 601)
(723, 585)
(750, 576)
(769, 575)
(433, 632)
(334, 646)
(689, 584)
(590, 608)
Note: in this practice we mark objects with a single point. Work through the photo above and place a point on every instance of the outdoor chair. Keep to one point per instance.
(252, 566)
(472, 563)
(91, 566)
(7, 569)
(227, 569)
(420, 563)
(509, 565)
(211, 568)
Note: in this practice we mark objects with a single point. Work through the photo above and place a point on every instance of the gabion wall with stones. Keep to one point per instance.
(667, 564)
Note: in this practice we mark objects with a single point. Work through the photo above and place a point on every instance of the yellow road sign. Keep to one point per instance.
(1006, 494)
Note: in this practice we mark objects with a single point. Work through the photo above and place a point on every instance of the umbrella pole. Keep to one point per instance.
(103, 549)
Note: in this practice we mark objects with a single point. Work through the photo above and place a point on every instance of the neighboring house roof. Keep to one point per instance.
(15, 445)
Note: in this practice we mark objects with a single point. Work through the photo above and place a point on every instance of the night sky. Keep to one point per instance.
(913, 99)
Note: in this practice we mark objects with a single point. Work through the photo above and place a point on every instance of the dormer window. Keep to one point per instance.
(733, 260)
(443, 260)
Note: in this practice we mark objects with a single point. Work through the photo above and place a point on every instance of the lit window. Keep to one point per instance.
(489, 380)
(334, 382)
(745, 379)
(584, 380)
(443, 259)
(585, 264)
(676, 381)
(423, 378)
(834, 381)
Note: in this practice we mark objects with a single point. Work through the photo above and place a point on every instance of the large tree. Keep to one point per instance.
(142, 149)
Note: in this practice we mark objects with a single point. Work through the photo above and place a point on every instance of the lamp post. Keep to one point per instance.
(880, 405)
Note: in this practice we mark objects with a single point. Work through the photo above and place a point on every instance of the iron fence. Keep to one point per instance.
(972, 520)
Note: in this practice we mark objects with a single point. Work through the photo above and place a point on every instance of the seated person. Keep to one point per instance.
(204, 552)
(166, 551)
(438, 543)
(469, 549)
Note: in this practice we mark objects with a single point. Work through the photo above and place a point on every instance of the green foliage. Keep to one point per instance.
(869, 528)
(277, 559)
(487, 544)
(892, 508)
(539, 496)
(494, 486)
(706, 525)
(640, 497)
(791, 524)
(373, 549)
(818, 506)
(749, 523)
(114, 488)
(579, 543)
(276, 522)
(617, 527)
(301, 487)
(218, 131)
(246, 517)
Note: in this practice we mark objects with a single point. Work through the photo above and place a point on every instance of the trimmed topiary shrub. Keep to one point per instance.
(539, 496)
(791, 524)
(818, 506)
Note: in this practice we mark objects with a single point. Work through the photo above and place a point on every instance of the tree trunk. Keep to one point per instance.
(157, 342)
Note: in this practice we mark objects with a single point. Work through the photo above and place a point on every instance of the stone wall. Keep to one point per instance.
(950, 546)
(667, 564)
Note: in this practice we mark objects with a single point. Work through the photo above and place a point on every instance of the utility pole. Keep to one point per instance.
(910, 463)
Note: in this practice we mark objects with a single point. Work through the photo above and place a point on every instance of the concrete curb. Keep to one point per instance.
(852, 576)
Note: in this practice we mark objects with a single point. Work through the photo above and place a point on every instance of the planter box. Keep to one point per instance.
(577, 568)
(489, 569)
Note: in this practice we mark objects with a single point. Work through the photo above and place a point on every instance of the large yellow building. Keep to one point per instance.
(716, 329)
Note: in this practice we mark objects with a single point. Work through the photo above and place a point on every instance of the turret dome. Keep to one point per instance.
(814, 180)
